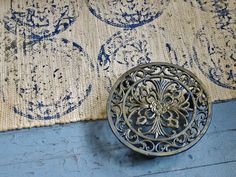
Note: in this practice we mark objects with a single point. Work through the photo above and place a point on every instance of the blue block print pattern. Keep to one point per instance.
(177, 53)
(219, 41)
(44, 90)
(127, 13)
(125, 47)
(48, 77)
(184, 60)
(204, 5)
(35, 21)
(131, 47)
(217, 61)
(224, 12)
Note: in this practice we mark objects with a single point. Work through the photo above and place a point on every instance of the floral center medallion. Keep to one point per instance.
(158, 109)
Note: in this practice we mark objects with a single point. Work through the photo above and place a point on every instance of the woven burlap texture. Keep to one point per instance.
(59, 59)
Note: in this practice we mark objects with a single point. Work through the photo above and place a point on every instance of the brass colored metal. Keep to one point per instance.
(159, 109)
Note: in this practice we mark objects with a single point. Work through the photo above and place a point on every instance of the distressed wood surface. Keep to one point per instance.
(90, 149)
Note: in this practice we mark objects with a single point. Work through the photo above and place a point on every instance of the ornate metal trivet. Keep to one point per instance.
(159, 109)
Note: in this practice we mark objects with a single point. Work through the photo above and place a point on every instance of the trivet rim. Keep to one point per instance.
(159, 154)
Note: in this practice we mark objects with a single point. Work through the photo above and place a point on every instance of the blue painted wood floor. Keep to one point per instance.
(87, 149)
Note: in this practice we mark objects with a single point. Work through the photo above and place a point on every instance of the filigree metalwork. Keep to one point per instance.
(159, 109)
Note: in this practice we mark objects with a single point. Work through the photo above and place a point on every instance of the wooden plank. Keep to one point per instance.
(114, 161)
(90, 149)
(226, 169)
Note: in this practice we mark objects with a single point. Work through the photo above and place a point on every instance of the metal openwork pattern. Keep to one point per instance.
(158, 109)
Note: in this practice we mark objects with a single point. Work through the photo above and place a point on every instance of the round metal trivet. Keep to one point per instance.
(159, 109)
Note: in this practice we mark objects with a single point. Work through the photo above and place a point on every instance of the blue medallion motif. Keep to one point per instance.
(48, 78)
(36, 21)
(127, 13)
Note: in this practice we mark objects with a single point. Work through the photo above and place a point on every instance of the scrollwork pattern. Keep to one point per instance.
(163, 109)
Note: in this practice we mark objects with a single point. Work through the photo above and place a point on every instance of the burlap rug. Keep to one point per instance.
(59, 59)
